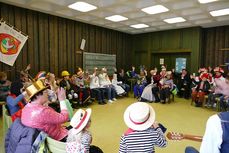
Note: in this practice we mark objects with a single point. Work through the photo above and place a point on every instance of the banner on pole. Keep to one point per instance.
(11, 43)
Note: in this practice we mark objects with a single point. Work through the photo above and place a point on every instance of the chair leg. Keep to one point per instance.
(218, 105)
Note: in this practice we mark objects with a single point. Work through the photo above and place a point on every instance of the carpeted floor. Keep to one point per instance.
(179, 116)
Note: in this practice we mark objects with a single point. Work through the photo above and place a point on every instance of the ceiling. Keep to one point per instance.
(195, 13)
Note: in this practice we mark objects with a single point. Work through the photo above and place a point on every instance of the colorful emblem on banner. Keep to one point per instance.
(9, 44)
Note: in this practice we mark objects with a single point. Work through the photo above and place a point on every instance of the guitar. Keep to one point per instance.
(181, 136)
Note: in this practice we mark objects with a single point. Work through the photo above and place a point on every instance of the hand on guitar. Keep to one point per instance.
(155, 125)
(181, 136)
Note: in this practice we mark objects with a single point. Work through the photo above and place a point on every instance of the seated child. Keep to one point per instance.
(166, 87)
(119, 90)
(4, 86)
(201, 90)
(79, 137)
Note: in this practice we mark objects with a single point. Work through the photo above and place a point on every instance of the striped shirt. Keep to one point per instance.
(142, 141)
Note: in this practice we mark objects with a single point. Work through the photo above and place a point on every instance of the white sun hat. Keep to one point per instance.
(139, 116)
(80, 119)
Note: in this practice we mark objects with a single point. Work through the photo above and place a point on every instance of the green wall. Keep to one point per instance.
(169, 43)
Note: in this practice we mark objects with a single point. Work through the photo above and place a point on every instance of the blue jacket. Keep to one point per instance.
(12, 103)
(224, 116)
(19, 138)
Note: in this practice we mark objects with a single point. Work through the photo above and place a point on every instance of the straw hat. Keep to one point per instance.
(34, 88)
(139, 116)
(80, 119)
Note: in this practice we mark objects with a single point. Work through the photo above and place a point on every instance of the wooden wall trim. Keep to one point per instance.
(54, 41)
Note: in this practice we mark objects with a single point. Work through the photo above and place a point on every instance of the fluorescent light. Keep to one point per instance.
(155, 9)
(116, 18)
(206, 1)
(139, 26)
(82, 6)
(220, 12)
(175, 20)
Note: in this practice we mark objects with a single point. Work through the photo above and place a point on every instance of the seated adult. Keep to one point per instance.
(105, 82)
(15, 100)
(143, 133)
(217, 88)
(216, 137)
(121, 76)
(96, 90)
(37, 114)
(184, 84)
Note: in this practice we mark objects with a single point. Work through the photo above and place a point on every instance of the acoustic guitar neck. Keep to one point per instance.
(193, 137)
(181, 136)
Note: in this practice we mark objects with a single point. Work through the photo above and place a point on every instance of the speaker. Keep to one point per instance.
(82, 45)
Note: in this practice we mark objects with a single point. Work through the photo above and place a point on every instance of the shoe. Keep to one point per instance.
(101, 103)
(114, 99)
(167, 100)
(110, 101)
(157, 100)
(90, 101)
(104, 102)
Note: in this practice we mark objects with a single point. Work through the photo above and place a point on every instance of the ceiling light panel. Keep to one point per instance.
(139, 26)
(206, 1)
(175, 20)
(155, 9)
(116, 18)
(220, 12)
(82, 7)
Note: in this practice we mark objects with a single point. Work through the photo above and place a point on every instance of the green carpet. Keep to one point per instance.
(179, 116)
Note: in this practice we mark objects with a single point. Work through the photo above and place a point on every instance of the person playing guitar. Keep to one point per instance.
(215, 139)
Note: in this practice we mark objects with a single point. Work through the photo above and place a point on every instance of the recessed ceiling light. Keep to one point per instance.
(206, 1)
(220, 12)
(82, 7)
(155, 9)
(116, 18)
(175, 20)
(139, 26)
